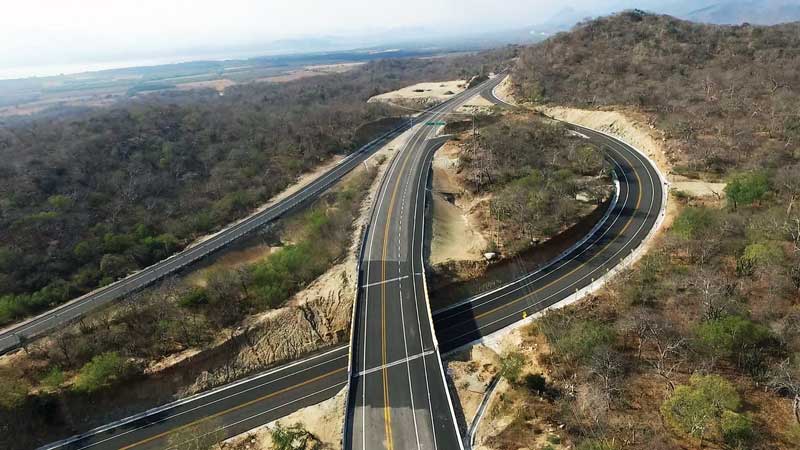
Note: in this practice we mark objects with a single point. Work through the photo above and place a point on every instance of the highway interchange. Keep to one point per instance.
(398, 398)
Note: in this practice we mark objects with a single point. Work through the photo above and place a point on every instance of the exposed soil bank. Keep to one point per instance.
(447, 288)
(322, 421)
(501, 427)
(423, 94)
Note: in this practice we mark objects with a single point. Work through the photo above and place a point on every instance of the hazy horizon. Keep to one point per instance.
(49, 37)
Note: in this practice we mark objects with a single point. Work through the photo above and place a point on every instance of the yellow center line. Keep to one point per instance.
(387, 414)
(235, 408)
(528, 295)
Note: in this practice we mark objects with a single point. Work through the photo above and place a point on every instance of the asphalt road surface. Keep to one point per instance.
(274, 394)
(13, 337)
(227, 411)
(398, 397)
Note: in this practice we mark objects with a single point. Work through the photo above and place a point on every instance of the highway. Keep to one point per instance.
(398, 396)
(394, 305)
(226, 411)
(623, 230)
(14, 336)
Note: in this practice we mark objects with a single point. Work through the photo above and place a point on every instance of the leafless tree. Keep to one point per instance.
(668, 345)
(715, 294)
(606, 365)
(785, 380)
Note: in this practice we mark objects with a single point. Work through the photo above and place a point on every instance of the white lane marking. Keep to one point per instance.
(375, 212)
(577, 134)
(337, 386)
(382, 191)
(416, 310)
(402, 308)
(415, 138)
(558, 263)
(166, 418)
(194, 398)
(405, 360)
(639, 229)
(378, 283)
(425, 171)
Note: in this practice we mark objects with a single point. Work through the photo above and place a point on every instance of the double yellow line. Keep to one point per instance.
(387, 412)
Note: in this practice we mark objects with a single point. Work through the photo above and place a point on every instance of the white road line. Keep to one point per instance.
(395, 363)
(337, 386)
(169, 417)
(378, 283)
(381, 194)
(416, 311)
(194, 398)
(649, 212)
(402, 309)
(382, 191)
(414, 140)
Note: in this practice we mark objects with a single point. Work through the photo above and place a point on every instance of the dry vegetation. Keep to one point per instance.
(87, 197)
(182, 338)
(511, 188)
(698, 346)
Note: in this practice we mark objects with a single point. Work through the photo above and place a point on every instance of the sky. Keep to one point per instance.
(40, 34)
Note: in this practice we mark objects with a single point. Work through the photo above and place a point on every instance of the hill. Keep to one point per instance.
(726, 95)
(698, 345)
(88, 197)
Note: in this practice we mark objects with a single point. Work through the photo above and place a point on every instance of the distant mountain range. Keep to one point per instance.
(723, 12)
(762, 12)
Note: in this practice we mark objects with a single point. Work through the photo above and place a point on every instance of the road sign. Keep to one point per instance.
(436, 124)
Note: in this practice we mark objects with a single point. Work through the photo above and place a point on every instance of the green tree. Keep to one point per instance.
(576, 340)
(54, 378)
(103, 370)
(737, 429)
(697, 409)
(747, 188)
(116, 265)
(511, 366)
(60, 202)
(85, 251)
(694, 221)
(13, 391)
(731, 336)
(759, 255)
(293, 437)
